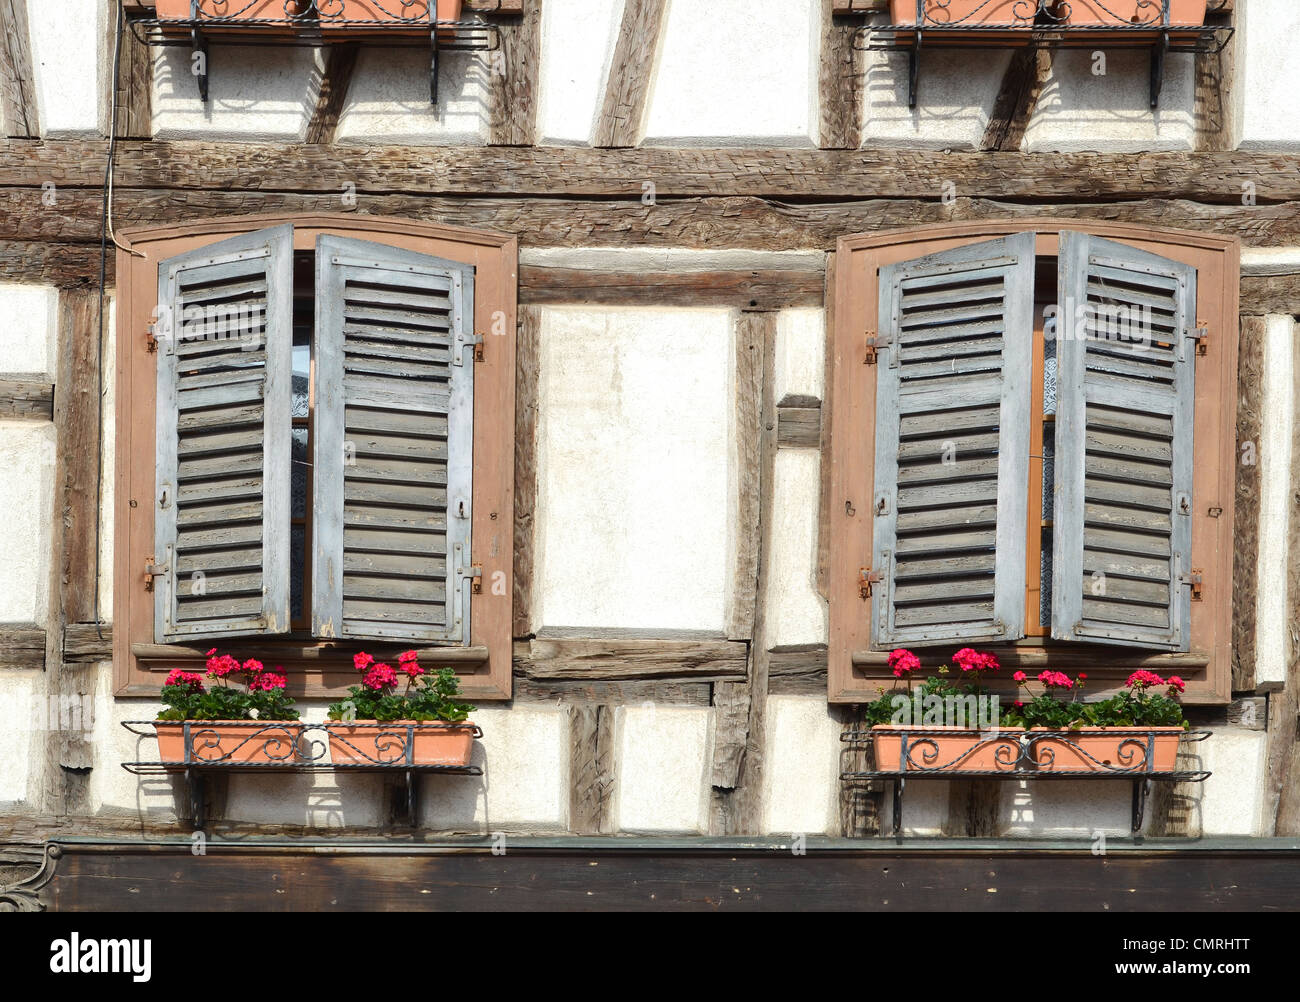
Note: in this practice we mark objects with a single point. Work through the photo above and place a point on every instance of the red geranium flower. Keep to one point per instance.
(362, 661)
(1143, 679)
(379, 677)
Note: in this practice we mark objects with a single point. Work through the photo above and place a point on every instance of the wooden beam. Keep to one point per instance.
(17, 84)
(1245, 533)
(134, 84)
(26, 398)
(82, 643)
(751, 290)
(514, 87)
(738, 808)
(1022, 83)
(799, 427)
(660, 691)
(527, 360)
(748, 417)
(730, 732)
(615, 659)
(22, 647)
(829, 175)
(839, 80)
(1262, 294)
(741, 222)
(842, 7)
(631, 73)
(1284, 706)
(340, 64)
(591, 769)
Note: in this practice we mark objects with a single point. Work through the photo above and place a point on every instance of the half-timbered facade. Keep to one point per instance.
(612, 356)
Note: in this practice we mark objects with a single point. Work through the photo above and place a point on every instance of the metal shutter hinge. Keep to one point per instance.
(1201, 335)
(151, 571)
(151, 338)
(462, 341)
(874, 343)
(1196, 579)
(866, 578)
(475, 574)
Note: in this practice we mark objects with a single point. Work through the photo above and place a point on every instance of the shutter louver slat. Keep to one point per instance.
(394, 423)
(952, 425)
(1122, 537)
(222, 522)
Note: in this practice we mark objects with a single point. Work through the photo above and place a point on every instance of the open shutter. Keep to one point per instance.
(221, 527)
(1125, 392)
(952, 444)
(394, 439)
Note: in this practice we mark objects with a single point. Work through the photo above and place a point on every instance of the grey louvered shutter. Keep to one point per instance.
(952, 444)
(394, 439)
(221, 526)
(1125, 393)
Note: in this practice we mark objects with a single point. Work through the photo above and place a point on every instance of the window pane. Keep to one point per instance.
(301, 371)
(1049, 376)
(298, 474)
(297, 561)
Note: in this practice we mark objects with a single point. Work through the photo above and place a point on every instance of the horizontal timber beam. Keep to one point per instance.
(22, 647)
(1213, 177)
(600, 658)
(736, 221)
(26, 398)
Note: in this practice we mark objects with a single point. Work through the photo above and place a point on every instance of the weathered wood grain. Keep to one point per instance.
(750, 290)
(1245, 534)
(26, 398)
(739, 221)
(831, 175)
(82, 642)
(840, 79)
(1284, 707)
(1022, 83)
(619, 659)
(824, 468)
(797, 671)
(22, 647)
(631, 73)
(748, 408)
(1250, 713)
(340, 63)
(134, 84)
(527, 359)
(799, 427)
(1263, 294)
(739, 810)
(660, 691)
(730, 732)
(513, 109)
(17, 84)
(591, 769)
(859, 800)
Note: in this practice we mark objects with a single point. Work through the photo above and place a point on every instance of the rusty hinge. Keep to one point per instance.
(1201, 337)
(475, 574)
(463, 340)
(1195, 578)
(151, 571)
(151, 337)
(874, 343)
(866, 578)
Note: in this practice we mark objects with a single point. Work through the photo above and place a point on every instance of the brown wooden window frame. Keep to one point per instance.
(316, 668)
(856, 673)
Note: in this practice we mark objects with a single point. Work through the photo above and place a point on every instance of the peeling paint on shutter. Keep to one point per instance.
(394, 441)
(221, 526)
(1126, 387)
(952, 444)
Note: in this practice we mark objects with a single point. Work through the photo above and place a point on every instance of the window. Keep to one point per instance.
(1031, 452)
(323, 446)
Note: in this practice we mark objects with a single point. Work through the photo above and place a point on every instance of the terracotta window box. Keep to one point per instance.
(330, 16)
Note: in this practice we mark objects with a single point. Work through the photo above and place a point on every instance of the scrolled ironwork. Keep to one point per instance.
(308, 11)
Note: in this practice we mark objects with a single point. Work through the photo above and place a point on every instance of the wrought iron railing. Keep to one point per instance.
(1047, 24)
(1021, 755)
(296, 746)
(315, 23)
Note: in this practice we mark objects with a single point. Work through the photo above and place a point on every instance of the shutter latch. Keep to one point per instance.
(1201, 335)
(866, 578)
(874, 343)
(151, 571)
(475, 574)
(151, 337)
(462, 341)
(1196, 579)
